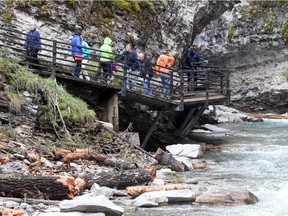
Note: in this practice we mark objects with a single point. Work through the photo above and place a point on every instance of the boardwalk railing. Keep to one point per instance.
(186, 85)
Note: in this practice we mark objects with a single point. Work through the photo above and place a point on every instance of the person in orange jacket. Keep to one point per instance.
(162, 69)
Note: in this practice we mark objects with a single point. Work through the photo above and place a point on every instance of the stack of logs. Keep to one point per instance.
(55, 187)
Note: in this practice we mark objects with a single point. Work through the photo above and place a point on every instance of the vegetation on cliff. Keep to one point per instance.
(57, 106)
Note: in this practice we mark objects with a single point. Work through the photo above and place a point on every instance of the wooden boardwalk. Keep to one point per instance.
(208, 85)
(56, 61)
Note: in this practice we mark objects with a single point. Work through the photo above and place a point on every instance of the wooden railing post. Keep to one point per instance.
(171, 84)
(53, 74)
(123, 92)
(181, 90)
(221, 82)
(207, 85)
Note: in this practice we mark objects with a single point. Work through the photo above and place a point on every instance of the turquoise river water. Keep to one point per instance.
(254, 156)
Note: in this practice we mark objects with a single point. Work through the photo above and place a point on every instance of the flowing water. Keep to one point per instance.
(254, 156)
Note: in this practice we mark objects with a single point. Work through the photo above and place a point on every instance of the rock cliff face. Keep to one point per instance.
(249, 38)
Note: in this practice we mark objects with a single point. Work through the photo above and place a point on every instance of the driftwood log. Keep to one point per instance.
(168, 160)
(67, 155)
(42, 187)
(135, 191)
(59, 188)
(120, 179)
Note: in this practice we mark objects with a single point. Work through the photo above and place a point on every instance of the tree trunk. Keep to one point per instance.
(119, 179)
(168, 160)
(138, 190)
(42, 187)
(59, 188)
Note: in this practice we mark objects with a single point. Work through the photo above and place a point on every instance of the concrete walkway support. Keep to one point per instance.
(111, 111)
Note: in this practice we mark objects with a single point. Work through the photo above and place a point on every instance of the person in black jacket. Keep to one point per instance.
(132, 65)
(146, 72)
(191, 61)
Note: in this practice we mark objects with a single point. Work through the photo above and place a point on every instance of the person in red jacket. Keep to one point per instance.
(162, 69)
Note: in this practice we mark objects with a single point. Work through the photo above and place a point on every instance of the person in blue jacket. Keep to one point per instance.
(33, 46)
(76, 44)
(191, 61)
(132, 65)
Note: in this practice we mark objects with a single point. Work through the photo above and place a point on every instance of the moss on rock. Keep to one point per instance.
(123, 5)
(284, 30)
(7, 16)
(230, 33)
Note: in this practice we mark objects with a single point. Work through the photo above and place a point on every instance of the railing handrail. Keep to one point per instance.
(206, 74)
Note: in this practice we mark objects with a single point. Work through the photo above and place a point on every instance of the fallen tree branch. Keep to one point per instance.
(135, 191)
(167, 159)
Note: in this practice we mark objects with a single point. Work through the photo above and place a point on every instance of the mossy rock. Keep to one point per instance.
(70, 3)
(284, 30)
(268, 24)
(135, 6)
(22, 3)
(131, 39)
(145, 4)
(7, 15)
(45, 11)
(284, 73)
(123, 5)
(230, 33)
(10, 3)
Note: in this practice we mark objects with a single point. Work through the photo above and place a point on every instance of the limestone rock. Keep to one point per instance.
(91, 204)
(71, 214)
(172, 195)
(227, 197)
(187, 150)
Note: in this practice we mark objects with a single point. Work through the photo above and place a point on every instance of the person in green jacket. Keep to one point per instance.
(85, 57)
(106, 58)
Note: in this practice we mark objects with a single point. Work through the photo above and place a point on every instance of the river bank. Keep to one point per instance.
(125, 155)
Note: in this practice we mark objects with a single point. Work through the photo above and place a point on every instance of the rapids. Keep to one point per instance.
(253, 156)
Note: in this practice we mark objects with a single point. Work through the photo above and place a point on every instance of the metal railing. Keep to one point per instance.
(55, 59)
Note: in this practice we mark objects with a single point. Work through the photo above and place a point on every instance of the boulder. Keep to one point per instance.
(172, 195)
(187, 161)
(91, 204)
(71, 214)
(106, 191)
(144, 201)
(187, 150)
(227, 197)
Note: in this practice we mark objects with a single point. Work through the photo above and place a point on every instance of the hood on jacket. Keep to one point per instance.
(108, 41)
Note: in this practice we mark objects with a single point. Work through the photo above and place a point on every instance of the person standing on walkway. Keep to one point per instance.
(33, 46)
(163, 63)
(76, 53)
(85, 57)
(106, 58)
(146, 72)
(191, 61)
(132, 65)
